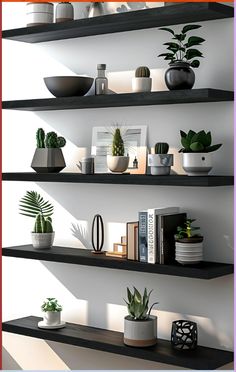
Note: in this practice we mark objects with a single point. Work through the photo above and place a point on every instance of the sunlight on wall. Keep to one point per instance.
(114, 232)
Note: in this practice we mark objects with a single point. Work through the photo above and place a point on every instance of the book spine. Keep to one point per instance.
(143, 253)
(151, 236)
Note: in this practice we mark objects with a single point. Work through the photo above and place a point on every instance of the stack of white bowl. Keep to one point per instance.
(188, 253)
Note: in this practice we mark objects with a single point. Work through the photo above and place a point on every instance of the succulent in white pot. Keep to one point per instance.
(188, 244)
(140, 327)
(52, 311)
(142, 81)
(117, 162)
(160, 162)
(197, 149)
(33, 205)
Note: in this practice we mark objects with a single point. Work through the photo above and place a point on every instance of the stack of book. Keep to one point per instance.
(151, 239)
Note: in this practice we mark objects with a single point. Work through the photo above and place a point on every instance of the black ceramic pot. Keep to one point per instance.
(179, 76)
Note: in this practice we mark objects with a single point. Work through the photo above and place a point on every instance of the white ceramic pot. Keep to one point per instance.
(189, 253)
(39, 13)
(160, 164)
(117, 164)
(64, 12)
(140, 333)
(52, 318)
(141, 84)
(197, 163)
(42, 240)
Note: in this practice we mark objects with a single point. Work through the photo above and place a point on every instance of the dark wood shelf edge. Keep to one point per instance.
(207, 270)
(112, 342)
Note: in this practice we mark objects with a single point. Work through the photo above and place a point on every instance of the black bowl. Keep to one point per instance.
(68, 86)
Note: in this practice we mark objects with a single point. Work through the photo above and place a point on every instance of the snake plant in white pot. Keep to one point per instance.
(33, 205)
(140, 328)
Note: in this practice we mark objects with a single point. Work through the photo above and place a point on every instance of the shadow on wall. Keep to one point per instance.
(8, 363)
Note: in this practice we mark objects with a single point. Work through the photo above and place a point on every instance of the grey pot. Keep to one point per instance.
(48, 160)
(42, 240)
(140, 333)
(160, 164)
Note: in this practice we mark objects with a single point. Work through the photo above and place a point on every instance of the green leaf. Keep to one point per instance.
(129, 295)
(195, 63)
(189, 28)
(183, 134)
(165, 54)
(192, 53)
(190, 135)
(194, 40)
(174, 45)
(167, 29)
(213, 148)
(196, 147)
(179, 37)
(185, 143)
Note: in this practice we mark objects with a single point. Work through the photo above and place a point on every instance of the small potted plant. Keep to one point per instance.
(188, 244)
(52, 312)
(117, 162)
(140, 328)
(161, 161)
(48, 156)
(142, 81)
(196, 151)
(182, 54)
(33, 205)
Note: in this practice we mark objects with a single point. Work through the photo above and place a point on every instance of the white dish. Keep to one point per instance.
(43, 325)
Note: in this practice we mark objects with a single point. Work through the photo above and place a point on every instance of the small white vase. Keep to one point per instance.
(160, 164)
(197, 163)
(141, 84)
(189, 253)
(52, 318)
(64, 12)
(39, 13)
(117, 164)
(140, 333)
(42, 240)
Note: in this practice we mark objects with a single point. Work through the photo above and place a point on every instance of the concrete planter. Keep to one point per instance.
(197, 163)
(160, 164)
(117, 164)
(141, 84)
(48, 160)
(140, 333)
(52, 318)
(42, 240)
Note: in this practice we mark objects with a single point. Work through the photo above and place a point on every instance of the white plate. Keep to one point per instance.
(43, 325)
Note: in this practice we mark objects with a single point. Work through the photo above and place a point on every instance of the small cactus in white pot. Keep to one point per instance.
(140, 328)
(142, 81)
(117, 162)
(33, 205)
(52, 311)
(160, 163)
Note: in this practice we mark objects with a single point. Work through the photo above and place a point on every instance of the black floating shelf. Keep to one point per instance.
(122, 179)
(76, 256)
(143, 19)
(121, 100)
(203, 358)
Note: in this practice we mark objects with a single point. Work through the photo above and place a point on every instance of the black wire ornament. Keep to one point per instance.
(184, 335)
(97, 234)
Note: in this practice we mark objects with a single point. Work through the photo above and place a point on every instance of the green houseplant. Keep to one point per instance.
(52, 312)
(33, 205)
(189, 244)
(142, 81)
(197, 148)
(117, 162)
(48, 156)
(161, 161)
(140, 327)
(182, 54)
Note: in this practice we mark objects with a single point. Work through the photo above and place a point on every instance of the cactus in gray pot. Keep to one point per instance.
(118, 144)
(161, 148)
(40, 137)
(43, 225)
(51, 140)
(142, 72)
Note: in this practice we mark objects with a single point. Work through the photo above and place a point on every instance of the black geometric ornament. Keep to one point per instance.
(184, 335)
(97, 234)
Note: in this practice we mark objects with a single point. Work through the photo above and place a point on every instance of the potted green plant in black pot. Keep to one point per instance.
(188, 244)
(182, 55)
(197, 149)
(33, 205)
(48, 156)
(140, 328)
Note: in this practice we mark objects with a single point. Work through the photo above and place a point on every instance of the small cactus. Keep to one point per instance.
(142, 71)
(40, 137)
(161, 148)
(43, 225)
(118, 144)
(51, 140)
(61, 141)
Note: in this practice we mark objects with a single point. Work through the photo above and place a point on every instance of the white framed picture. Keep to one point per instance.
(135, 143)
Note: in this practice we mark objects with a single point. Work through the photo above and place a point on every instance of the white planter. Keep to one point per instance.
(39, 13)
(117, 164)
(64, 12)
(42, 240)
(189, 253)
(197, 164)
(160, 164)
(140, 333)
(52, 318)
(141, 84)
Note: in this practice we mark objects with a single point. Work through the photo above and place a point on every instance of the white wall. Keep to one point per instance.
(94, 296)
